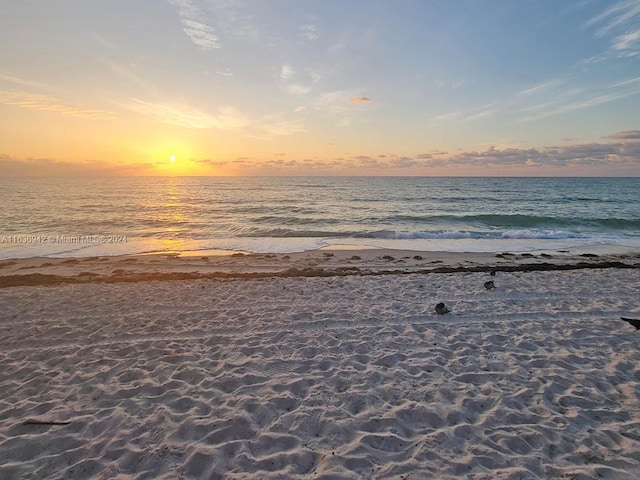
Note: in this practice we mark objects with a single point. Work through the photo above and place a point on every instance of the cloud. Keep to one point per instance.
(574, 99)
(539, 88)
(616, 17)
(627, 41)
(36, 101)
(127, 73)
(623, 154)
(226, 118)
(339, 101)
(287, 72)
(620, 156)
(298, 89)
(25, 83)
(332, 102)
(557, 108)
(224, 72)
(553, 97)
(483, 112)
(619, 24)
(255, 166)
(233, 18)
(304, 81)
(309, 33)
(625, 83)
(29, 167)
(283, 128)
(358, 99)
(447, 116)
(628, 135)
(554, 156)
(200, 33)
(404, 162)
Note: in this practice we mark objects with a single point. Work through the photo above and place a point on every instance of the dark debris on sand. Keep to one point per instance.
(34, 279)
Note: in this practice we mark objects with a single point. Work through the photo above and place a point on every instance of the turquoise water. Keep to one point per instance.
(86, 217)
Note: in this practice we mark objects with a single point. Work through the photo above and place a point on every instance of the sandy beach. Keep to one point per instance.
(324, 364)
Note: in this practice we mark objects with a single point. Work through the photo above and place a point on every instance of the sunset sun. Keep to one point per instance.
(172, 158)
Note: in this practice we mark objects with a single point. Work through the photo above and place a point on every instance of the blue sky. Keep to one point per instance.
(409, 87)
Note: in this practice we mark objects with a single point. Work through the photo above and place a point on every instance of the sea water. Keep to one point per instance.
(79, 217)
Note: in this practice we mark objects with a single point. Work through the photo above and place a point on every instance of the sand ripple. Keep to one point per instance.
(344, 378)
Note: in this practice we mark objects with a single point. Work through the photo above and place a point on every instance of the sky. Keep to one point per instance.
(320, 87)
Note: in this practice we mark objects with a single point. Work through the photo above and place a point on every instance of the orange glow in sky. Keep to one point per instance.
(194, 87)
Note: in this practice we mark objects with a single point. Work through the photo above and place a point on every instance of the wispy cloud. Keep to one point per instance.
(296, 82)
(482, 112)
(625, 83)
(447, 116)
(225, 118)
(298, 89)
(224, 72)
(192, 18)
(201, 34)
(282, 128)
(617, 16)
(234, 18)
(542, 87)
(309, 32)
(619, 24)
(103, 41)
(24, 82)
(556, 109)
(129, 74)
(579, 98)
(36, 101)
(627, 41)
(287, 72)
(553, 97)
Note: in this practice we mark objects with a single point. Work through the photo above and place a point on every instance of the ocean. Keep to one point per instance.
(83, 217)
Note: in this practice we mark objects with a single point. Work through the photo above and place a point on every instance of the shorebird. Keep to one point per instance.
(489, 285)
(441, 309)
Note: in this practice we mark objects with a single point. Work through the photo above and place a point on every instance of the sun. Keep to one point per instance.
(172, 158)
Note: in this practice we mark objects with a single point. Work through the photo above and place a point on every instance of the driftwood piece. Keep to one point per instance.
(37, 421)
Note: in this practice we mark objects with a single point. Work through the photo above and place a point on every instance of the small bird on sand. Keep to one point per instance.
(489, 285)
(441, 309)
(633, 321)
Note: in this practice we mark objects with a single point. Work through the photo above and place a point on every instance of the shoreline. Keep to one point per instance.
(325, 262)
(298, 245)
